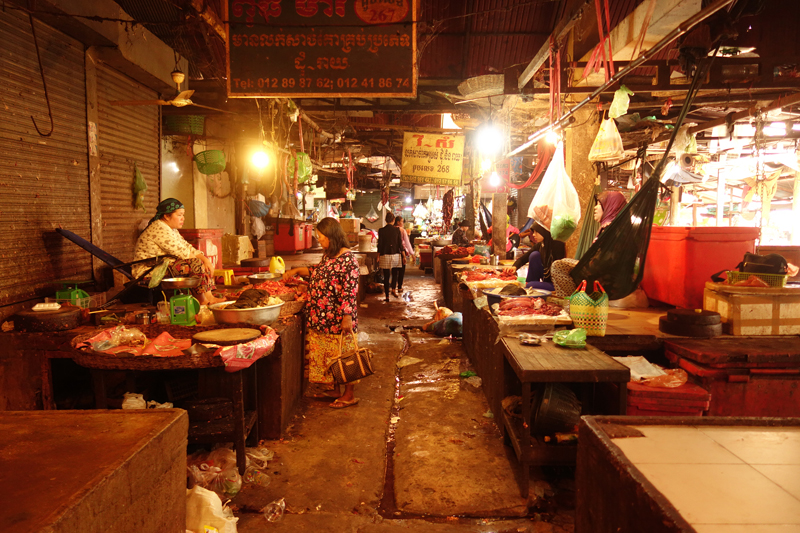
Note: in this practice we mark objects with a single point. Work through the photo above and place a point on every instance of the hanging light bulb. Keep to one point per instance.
(490, 139)
(486, 165)
(551, 137)
(494, 179)
(260, 159)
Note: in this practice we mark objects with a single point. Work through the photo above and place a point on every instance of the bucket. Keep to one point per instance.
(557, 410)
(365, 243)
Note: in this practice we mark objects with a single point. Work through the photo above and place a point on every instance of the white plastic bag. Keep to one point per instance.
(622, 99)
(257, 227)
(131, 400)
(556, 205)
(204, 508)
(607, 146)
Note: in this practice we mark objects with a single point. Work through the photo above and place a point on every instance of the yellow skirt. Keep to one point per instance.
(321, 350)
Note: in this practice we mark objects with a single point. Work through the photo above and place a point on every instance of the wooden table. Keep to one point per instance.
(263, 395)
(550, 363)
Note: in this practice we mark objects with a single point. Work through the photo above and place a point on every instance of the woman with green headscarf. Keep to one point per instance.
(161, 237)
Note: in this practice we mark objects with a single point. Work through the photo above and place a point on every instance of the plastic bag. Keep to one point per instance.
(133, 401)
(157, 274)
(121, 336)
(622, 98)
(556, 205)
(372, 216)
(570, 338)
(303, 164)
(257, 227)
(215, 471)
(607, 146)
(204, 508)
(139, 187)
(672, 378)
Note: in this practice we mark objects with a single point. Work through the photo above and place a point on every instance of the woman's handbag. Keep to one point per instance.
(589, 311)
(351, 366)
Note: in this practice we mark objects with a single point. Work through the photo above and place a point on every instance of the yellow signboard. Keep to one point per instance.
(435, 159)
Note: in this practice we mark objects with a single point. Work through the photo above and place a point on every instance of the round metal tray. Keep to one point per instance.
(263, 276)
(179, 283)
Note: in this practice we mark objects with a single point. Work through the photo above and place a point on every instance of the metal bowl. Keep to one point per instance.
(179, 283)
(256, 315)
(263, 276)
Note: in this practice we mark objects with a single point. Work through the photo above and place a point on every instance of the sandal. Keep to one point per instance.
(338, 403)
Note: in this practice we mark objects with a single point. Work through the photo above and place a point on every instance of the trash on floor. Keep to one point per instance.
(205, 509)
(407, 360)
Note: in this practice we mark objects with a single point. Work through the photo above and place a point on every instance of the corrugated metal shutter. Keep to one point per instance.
(126, 135)
(44, 181)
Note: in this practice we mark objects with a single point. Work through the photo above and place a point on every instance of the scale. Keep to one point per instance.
(70, 293)
(182, 306)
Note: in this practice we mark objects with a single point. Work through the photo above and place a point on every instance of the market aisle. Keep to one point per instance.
(448, 458)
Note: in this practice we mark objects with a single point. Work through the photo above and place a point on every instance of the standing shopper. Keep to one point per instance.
(389, 257)
(407, 252)
(331, 311)
(161, 237)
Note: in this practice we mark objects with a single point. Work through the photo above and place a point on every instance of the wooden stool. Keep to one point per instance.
(226, 274)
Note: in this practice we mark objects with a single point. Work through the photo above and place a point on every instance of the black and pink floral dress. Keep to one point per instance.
(332, 293)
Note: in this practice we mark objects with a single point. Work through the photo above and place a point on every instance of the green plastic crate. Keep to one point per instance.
(189, 124)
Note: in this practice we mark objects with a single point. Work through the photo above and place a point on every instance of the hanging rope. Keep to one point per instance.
(545, 155)
(44, 83)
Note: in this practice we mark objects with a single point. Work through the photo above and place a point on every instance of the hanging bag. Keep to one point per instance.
(353, 365)
(589, 311)
(556, 205)
(607, 146)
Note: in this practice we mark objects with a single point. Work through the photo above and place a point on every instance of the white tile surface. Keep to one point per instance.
(785, 476)
(723, 494)
(759, 445)
(674, 445)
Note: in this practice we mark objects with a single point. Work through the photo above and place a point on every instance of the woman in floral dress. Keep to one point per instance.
(331, 311)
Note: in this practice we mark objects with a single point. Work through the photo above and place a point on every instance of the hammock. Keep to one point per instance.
(617, 257)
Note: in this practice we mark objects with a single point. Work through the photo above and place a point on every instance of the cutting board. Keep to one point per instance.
(227, 337)
(58, 320)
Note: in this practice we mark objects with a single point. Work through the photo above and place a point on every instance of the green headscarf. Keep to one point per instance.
(166, 207)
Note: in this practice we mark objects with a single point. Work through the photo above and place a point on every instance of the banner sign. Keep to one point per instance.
(435, 159)
(321, 48)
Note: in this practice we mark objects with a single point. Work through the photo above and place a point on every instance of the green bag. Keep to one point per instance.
(589, 311)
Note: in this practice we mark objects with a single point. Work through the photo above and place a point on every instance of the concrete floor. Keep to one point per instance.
(418, 453)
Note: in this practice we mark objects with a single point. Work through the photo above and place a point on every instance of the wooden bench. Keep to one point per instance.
(550, 363)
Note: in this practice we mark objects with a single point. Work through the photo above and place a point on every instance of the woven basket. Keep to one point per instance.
(292, 308)
(210, 161)
(773, 280)
(191, 124)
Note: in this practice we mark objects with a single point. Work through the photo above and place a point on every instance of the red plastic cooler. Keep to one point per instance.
(208, 241)
(681, 259)
(286, 243)
(687, 400)
(309, 234)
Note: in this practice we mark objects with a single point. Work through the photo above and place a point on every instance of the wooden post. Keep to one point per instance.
(499, 224)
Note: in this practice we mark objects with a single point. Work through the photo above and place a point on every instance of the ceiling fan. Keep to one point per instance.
(181, 100)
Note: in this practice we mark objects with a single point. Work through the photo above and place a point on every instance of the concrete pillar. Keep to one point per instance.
(499, 224)
(578, 141)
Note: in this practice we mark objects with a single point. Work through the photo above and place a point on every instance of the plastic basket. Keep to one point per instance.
(558, 410)
(773, 280)
(210, 161)
(192, 124)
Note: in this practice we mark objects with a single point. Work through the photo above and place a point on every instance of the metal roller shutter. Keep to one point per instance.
(43, 180)
(126, 135)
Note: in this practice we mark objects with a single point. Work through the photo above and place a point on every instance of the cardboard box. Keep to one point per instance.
(350, 225)
(754, 310)
(235, 248)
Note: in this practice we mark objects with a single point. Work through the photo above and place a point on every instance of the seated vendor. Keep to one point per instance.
(460, 237)
(546, 250)
(161, 237)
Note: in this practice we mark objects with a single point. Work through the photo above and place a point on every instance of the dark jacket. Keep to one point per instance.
(390, 242)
